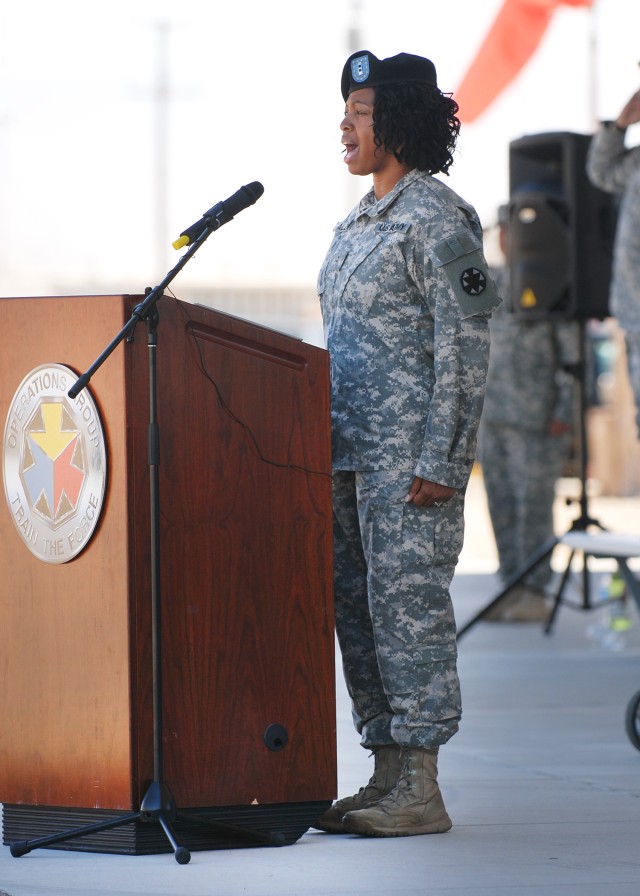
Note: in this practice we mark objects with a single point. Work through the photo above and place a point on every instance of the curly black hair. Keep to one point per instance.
(418, 124)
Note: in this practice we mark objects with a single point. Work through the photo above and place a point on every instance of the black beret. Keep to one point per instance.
(363, 69)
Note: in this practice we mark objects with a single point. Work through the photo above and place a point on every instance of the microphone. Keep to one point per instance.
(221, 212)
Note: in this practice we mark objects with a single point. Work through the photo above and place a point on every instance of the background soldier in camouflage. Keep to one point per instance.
(524, 440)
(406, 296)
(616, 169)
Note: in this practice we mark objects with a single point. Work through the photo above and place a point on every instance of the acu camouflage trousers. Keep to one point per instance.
(520, 469)
(632, 347)
(394, 618)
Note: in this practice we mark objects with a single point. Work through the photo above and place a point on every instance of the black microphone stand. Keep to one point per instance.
(158, 805)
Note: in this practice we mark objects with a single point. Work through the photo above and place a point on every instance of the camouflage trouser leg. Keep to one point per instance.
(520, 468)
(394, 619)
(632, 345)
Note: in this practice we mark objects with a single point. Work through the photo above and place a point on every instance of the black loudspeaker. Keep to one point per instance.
(561, 230)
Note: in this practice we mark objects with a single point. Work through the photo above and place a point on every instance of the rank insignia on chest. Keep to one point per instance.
(473, 281)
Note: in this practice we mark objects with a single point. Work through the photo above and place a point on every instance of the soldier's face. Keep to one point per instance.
(361, 154)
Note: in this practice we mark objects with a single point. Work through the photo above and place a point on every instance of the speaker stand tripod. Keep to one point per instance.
(583, 524)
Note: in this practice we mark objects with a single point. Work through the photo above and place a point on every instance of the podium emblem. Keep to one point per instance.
(54, 464)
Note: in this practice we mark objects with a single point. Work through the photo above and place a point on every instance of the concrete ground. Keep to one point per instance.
(542, 781)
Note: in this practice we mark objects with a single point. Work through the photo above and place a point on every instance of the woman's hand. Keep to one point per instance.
(630, 113)
(424, 493)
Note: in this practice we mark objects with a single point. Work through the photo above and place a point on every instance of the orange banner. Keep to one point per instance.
(510, 43)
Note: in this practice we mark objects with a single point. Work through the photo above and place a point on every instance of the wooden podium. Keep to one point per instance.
(248, 675)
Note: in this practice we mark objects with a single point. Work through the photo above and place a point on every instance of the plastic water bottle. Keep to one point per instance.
(618, 604)
(613, 614)
(616, 612)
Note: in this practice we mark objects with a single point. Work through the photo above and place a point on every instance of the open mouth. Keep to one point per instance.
(350, 150)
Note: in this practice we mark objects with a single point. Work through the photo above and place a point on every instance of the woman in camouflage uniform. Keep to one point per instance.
(406, 297)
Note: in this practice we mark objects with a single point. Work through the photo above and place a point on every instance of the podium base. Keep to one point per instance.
(208, 828)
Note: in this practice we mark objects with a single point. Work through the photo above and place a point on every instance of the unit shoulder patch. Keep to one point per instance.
(473, 281)
(461, 261)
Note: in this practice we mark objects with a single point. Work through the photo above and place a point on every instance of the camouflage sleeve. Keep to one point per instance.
(567, 350)
(465, 296)
(610, 164)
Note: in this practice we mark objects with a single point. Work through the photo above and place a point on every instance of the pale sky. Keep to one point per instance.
(99, 176)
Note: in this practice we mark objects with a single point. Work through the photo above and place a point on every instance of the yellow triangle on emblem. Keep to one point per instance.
(528, 299)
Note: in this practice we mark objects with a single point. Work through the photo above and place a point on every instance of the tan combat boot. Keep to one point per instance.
(386, 770)
(414, 806)
(531, 606)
